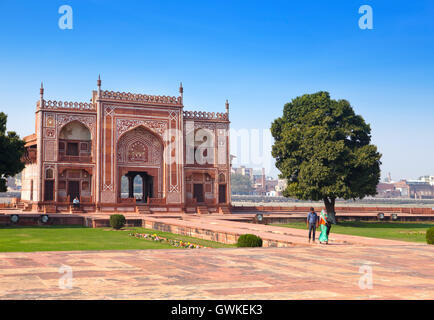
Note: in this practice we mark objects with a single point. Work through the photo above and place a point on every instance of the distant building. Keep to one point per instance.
(281, 186)
(420, 190)
(414, 189)
(262, 184)
(272, 193)
(387, 190)
(403, 188)
(388, 179)
(244, 171)
(14, 183)
(427, 179)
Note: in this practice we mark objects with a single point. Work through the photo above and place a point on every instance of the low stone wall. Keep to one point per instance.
(34, 220)
(223, 237)
(372, 218)
(241, 209)
(226, 237)
(105, 222)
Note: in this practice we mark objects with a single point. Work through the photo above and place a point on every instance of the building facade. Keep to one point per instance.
(124, 151)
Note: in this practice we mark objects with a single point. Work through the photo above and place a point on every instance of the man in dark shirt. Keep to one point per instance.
(312, 223)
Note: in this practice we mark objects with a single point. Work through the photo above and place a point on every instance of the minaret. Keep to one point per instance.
(98, 83)
(227, 107)
(181, 91)
(98, 187)
(41, 93)
(39, 142)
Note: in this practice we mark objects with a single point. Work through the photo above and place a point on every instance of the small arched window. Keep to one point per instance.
(49, 174)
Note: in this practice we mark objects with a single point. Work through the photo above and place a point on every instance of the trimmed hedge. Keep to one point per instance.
(117, 221)
(249, 240)
(430, 236)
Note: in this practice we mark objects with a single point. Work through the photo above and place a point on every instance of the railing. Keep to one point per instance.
(69, 158)
(66, 105)
(202, 115)
(127, 96)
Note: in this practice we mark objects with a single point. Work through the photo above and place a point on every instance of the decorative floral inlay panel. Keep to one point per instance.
(140, 147)
(157, 126)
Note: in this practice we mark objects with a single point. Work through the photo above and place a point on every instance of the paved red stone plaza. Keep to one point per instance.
(299, 272)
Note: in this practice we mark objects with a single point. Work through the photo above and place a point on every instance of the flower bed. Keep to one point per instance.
(172, 242)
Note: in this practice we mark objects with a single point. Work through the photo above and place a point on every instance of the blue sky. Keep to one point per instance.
(257, 54)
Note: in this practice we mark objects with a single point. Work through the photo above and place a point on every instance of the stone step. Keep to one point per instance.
(76, 210)
(50, 209)
(202, 210)
(224, 210)
(143, 209)
(190, 210)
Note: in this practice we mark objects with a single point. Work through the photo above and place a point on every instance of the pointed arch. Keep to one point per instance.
(140, 145)
(80, 128)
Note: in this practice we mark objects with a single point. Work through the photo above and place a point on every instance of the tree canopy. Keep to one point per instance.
(241, 184)
(11, 152)
(323, 148)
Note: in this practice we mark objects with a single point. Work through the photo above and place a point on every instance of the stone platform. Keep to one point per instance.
(315, 272)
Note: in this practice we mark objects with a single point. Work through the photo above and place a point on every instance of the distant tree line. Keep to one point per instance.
(241, 184)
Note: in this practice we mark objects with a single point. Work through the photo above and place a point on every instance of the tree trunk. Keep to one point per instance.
(330, 207)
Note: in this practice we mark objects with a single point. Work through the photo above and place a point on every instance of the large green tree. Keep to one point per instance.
(241, 184)
(323, 148)
(11, 152)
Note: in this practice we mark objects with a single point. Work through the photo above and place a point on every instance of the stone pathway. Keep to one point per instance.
(221, 229)
(300, 272)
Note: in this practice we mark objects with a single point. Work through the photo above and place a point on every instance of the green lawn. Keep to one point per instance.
(405, 231)
(69, 238)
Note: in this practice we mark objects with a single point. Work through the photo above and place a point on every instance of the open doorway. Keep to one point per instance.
(73, 190)
(198, 192)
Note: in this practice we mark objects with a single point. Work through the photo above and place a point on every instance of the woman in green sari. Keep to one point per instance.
(323, 224)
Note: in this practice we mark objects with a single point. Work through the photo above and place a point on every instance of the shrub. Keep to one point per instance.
(117, 221)
(249, 240)
(430, 236)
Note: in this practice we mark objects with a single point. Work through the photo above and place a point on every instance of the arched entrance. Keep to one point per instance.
(140, 165)
(75, 143)
(140, 185)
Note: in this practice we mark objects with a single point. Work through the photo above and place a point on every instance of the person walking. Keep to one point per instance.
(312, 223)
(323, 237)
(329, 226)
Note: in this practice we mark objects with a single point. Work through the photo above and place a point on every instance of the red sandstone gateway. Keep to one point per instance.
(127, 152)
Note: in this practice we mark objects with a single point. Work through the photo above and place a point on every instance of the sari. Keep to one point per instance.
(323, 224)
